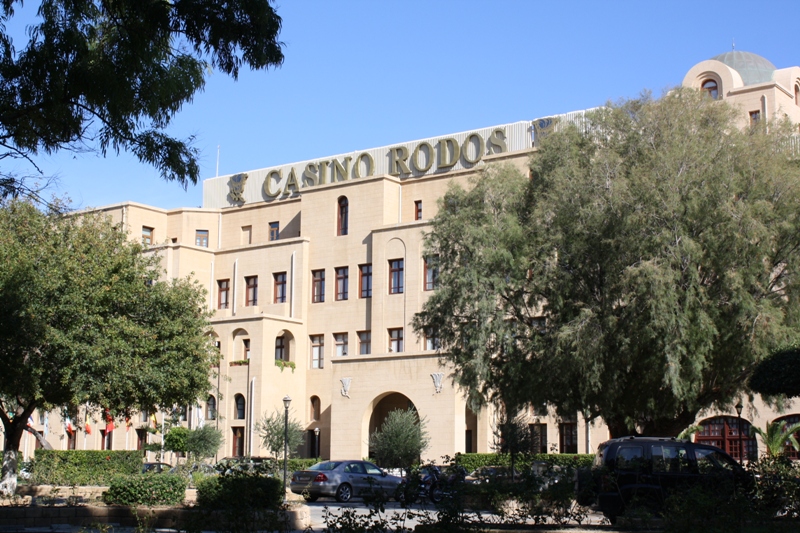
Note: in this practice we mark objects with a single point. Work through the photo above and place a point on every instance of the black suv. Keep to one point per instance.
(645, 470)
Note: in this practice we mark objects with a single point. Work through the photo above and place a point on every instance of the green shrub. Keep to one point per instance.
(471, 461)
(161, 489)
(84, 467)
(240, 490)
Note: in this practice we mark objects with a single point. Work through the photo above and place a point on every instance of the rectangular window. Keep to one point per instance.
(147, 235)
(568, 437)
(238, 441)
(280, 287)
(317, 351)
(201, 238)
(223, 293)
(365, 342)
(342, 275)
(755, 117)
(431, 273)
(317, 286)
(538, 438)
(280, 348)
(418, 210)
(432, 342)
(396, 276)
(396, 340)
(247, 234)
(340, 339)
(365, 280)
(106, 439)
(245, 348)
(251, 282)
(141, 438)
(274, 231)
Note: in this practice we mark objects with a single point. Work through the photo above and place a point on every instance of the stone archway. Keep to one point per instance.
(380, 408)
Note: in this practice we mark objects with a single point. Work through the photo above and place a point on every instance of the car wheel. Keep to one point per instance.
(436, 493)
(310, 498)
(344, 493)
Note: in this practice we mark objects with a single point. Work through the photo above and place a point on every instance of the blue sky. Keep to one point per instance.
(364, 74)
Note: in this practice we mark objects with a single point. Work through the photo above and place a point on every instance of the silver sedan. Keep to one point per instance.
(343, 480)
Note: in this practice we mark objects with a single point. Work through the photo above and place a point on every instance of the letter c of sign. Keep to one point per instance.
(268, 183)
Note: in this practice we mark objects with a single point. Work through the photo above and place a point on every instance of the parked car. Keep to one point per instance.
(155, 468)
(342, 480)
(247, 463)
(486, 474)
(645, 470)
(196, 468)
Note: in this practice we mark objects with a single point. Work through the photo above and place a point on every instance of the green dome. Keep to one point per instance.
(751, 67)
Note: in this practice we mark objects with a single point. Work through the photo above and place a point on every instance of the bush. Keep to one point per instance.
(471, 461)
(162, 489)
(239, 491)
(84, 467)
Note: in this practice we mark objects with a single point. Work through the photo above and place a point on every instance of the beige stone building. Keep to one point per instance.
(315, 269)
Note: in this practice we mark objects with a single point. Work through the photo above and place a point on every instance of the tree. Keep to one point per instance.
(98, 75)
(203, 443)
(401, 439)
(778, 374)
(638, 275)
(272, 430)
(86, 322)
(776, 436)
(176, 439)
(512, 435)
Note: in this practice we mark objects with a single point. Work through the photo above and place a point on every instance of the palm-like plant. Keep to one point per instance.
(776, 436)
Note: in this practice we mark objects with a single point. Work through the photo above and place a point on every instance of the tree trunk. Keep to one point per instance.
(13, 429)
(8, 481)
(46, 445)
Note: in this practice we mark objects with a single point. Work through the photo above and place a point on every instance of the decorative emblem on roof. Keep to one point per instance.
(236, 187)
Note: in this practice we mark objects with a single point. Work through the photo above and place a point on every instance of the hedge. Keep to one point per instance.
(240, 490)
(84, 467)
(471, 461)
(161, 489)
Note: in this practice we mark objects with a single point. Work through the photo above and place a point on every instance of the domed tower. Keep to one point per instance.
(751, 83)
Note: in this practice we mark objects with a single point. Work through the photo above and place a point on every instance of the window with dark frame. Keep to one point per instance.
(201, 238)
(395, 276)
(240, 407)
(280, 349)
(317, 351)
(106, 439)
(365, 280)
(396, 340)
(238, 441)
(147, 235)
(723, 432)
(344, 208)
(141, 439)
(317, 286)
(280, 287)
(432, 342)
(365, 342)
(340, 341)
(223, 293)
(245, 348)
(755, 117)
(797, 95)
(274, 231)
(538, 438)
(431, 273)
(342, 274)
(251, 284)
(211, 408)
(418, 210)
(568, 437)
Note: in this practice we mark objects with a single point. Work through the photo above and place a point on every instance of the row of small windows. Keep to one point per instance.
(396, 281)
(343, 214)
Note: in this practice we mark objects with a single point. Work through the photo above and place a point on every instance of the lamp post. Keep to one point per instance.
(286, 402)
(316, 444)
(739, 408)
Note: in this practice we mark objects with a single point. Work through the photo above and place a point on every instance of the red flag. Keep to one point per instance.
(128, 423)
(88, 428)
(109, 422)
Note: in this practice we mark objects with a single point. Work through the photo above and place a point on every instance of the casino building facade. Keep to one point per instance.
(315, 269)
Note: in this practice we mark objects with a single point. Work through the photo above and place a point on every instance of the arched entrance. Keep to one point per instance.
(381, 408)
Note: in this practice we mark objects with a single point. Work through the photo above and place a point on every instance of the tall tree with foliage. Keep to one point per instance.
(400, 440)
(86, 321)
(97, 75)
(638, 275)
(272, 430)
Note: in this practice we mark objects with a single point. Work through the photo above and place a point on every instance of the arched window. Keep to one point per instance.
(711, 88)
(239, 400)
(211, 408)
(723, 432)
(315, 408)
(797, 94)
(788, 449)
(344, 207)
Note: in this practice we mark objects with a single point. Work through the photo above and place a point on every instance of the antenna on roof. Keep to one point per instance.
(733, 44)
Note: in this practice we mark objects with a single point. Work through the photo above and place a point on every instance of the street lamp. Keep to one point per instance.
(286, 402)
(316, 446)
(739, 408)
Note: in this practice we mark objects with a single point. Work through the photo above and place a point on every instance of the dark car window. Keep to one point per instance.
(630, 458)
(373, 470)
(326, 466)
(670, 458)
(354, 468)
(712, 461)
